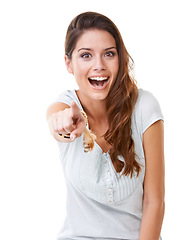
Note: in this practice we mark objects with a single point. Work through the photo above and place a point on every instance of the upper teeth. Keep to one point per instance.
(99, 78)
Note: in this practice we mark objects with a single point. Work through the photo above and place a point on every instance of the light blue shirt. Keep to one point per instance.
(101, 204)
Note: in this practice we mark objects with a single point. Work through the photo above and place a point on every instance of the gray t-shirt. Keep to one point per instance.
(101, 204)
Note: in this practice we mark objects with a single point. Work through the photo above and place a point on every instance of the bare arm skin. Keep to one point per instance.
(154, 187)
(63, 119)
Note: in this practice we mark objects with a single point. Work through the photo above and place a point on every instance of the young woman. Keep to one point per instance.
(110, 136)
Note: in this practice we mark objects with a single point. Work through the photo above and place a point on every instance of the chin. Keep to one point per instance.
(99, 96)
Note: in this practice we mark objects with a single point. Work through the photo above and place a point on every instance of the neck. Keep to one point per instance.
(95, 109)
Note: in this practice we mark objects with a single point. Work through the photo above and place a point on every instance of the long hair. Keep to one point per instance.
(122, 96)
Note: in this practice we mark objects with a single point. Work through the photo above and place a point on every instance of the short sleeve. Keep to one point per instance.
(65, 98)
(68, 97)
(150, 110)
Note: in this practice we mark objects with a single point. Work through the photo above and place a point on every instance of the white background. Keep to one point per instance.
(158, 35)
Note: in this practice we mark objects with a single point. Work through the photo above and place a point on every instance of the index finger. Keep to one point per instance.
(75, 110)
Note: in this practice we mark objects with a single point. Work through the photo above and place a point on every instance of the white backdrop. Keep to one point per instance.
(158, 35)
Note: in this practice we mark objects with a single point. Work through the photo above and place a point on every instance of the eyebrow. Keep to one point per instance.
(89, 49)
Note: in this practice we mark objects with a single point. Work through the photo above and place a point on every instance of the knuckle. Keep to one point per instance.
(53, 116)
(66, 111)
(59, 114)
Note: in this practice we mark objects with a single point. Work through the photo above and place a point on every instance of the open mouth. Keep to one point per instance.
(98, 82)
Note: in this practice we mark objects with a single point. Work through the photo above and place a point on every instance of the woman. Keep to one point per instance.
(110, 136)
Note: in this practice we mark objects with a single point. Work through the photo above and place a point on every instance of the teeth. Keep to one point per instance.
(99, 78)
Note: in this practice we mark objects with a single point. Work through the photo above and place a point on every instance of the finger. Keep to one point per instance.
(59, 122)
(75, 110)
(79, 130)
(68, 123)
(69, 128)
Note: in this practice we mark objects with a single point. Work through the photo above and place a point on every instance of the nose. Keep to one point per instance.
(98, 64)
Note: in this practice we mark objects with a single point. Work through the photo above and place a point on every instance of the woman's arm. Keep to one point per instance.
(154, 187)
(63, 120)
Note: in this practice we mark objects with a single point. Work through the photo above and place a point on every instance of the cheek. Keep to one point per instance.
(81, 69)
(80, 74)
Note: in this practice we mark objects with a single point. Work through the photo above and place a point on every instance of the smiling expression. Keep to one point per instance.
(94, 64)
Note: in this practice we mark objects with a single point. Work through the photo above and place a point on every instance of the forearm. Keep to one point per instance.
(153, 214)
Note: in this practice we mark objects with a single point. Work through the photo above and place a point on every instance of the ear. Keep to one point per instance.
(68, 64)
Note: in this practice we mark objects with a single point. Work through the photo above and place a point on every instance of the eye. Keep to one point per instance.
(86, 55)
(110, 54)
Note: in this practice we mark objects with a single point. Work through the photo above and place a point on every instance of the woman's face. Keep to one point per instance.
(94, 64)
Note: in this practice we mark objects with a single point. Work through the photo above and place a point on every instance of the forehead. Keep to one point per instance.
(95, 38)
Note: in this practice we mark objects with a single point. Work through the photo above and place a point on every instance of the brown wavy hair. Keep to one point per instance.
(122, 96)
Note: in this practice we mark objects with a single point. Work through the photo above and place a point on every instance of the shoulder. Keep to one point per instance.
(65, 95)
(145, 97)
(147, 109)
